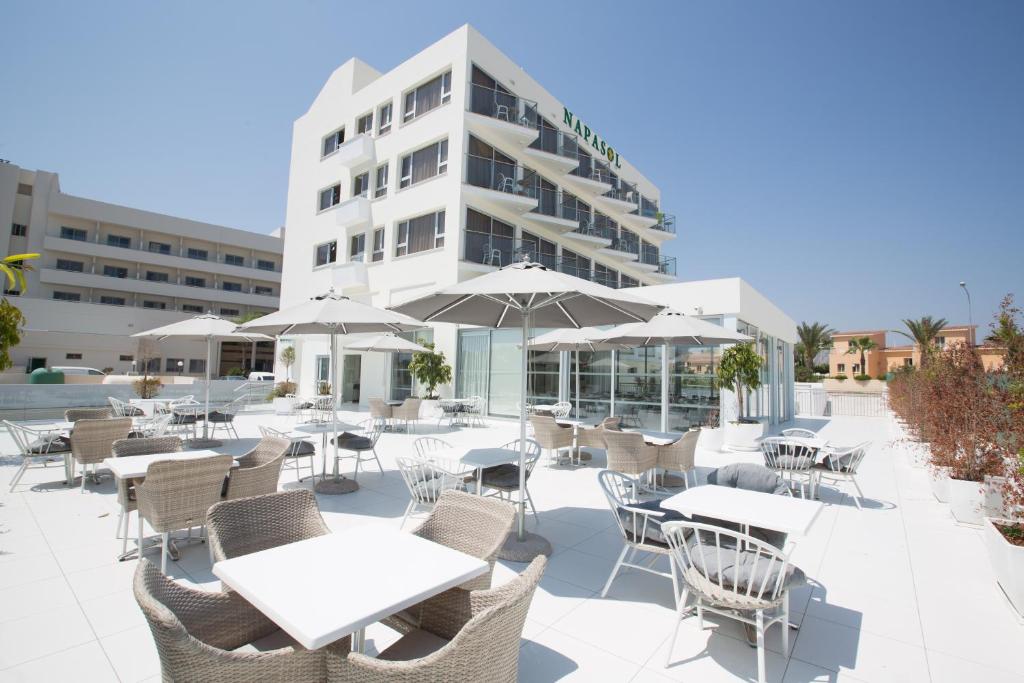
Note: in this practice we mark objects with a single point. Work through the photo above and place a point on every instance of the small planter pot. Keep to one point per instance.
(743, 436)
(283, 406)
(711, 438)
(939, 477)
(1007, 562)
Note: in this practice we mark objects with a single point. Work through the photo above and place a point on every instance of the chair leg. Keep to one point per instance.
(163, 552)
(379, 466)
(675, 581)
(17, 475)
(85, 471)
(615, 570)
(120, 523)
(760, 646)
(139, 515)
(860, 494)
(124, 536)
(408, 509)
(785, 625)
(680, 606)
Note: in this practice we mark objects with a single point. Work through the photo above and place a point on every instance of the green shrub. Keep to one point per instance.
(884, 377)
(147, 387)
(839, 377)
(236, 372)
(862, 378)
(282, 389)
(323, 388)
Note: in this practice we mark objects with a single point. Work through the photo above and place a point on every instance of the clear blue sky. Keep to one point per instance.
(854, 161)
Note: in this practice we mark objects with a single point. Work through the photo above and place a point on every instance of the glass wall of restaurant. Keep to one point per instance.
(773, 400)
(402, 384)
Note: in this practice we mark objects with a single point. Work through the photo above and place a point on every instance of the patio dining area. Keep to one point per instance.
(895, 591)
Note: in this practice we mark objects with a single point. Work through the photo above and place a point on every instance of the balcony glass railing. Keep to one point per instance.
(501, 176)
(575, 268)
(502, 105)
(666, 223)
(593, 168)
(165, 250)
(497, 251)
(667, 265)
(555, 141)
(549, 203)
(626, 244)
(650, 255)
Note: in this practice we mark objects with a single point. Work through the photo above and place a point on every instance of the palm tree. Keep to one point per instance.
(924, 332)
(861, 345)
(813, 339)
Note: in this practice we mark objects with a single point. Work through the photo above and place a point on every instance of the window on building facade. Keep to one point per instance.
(154, 276)
(841, 367)
(424, 164)
(228, 286)
(357, 247)
(263, 264)
(196, 366)
(574, 264)
(229, 312)
(488, 167)
(76, 234)
(234, 260)
(627, 281)
(158, 305)
(384, 119)
(420, 234)
(606, 276)
(159, 248)
(171, 364)
(197, 254)
(112, 300)
(427, 97)
(119, 241)
(67, 296)
(378, 244)
(332, 142)
(25, 189)
(19, 230)
(191, 308)
(381, 188)
(72, 356)
(364, 124)
(488, 240)
(263, 291)
(326, 253)
(126, 358)
(330, 196)
(71, 266)
(361, 185)
(193, 281)
(909, 362)
(539, 250)
(115, 271)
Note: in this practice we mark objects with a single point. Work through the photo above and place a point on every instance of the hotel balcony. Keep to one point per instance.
(592, 174)
(351, 277)
(354, 211)
(666, 269)
(53, 276)
(499, 185)
(484, 252)
(500, 117)
(552, 213)
(623, 249)
(554, 150)
(591, 233)
(666, 223)
(358, 151)
(621, 199)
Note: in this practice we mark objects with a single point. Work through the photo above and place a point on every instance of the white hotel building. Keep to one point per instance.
(109, 271)
(450, 165)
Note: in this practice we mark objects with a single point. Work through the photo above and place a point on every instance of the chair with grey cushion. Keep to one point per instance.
(792, 460)
(841, 465)
(733, 575)
(358, 444)
(300, 448)
(640, 524)
(37, 447)
(750, 477)
(504, 479)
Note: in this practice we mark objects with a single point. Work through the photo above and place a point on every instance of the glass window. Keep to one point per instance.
(73, 233)
(488, 240)
(384, 119)
(262, 264)
(196, 366)
(539, 250)
(228, 286)
(364, 124)
(112, 300)
(263, 291)
(428, 96)
(627, 281)
(693, 399)
(191, 308)
(159, 305)
(72, 356)
(229, 312)
(171, 364)
(402, 384)
(67, 296)
(197, 254)
(638, 387)
(193, 281)
(234, 260)
(323, 368)
(72, 266)
(326, 253)
(424, 163)
(332, 142)
(420, 234)
(159, 248)
(19, 230)
(115, 271)
(119, 241)
(126, 358)
(154, 276)
(381, 187)
(378, 244)
(357, 247)
(361, 185)
(330, 196)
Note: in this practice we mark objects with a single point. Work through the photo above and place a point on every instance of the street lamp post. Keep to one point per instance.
(970, 317)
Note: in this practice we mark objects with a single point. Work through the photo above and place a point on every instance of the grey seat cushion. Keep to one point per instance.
(413, 645)
(180, 419)
(302, 448)
(353, 442)
(503, 476)
(748, 476)
(61, 444)
(216, 416)
(837, 463)
(737, 569)
(649, 532)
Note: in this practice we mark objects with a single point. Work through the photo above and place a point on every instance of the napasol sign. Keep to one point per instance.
(589, 136)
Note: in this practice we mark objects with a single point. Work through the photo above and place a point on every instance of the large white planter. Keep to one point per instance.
(711, 438)
(939, 477)
(742, 436)
(283, 406)
(1007, 563)
(430, 409)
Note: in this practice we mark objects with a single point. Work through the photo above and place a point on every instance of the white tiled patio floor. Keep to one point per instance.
(899, 592)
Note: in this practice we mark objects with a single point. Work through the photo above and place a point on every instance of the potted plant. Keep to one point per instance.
(430, 370)
(287, 358)
(279, 398)
(739, 371)
(712, 434)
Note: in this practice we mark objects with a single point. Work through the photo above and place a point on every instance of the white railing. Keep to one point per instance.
(857, 404)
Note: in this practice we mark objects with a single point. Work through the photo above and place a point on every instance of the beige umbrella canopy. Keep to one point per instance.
(208, 328)
(520, 295)
(332, 314)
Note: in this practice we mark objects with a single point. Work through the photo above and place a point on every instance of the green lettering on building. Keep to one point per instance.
(597, 142)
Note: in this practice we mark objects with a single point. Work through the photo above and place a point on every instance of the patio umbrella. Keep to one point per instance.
(386, 343)
(573, 340)
(518, 295)
(332, 314)
(206, 327)
(670, 328)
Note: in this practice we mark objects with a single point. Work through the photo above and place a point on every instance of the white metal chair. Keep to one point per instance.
(503, 480)
(355, 445)
(153, 426)
(492, 257)
(300, 448)
(185, 414)
(224, 418)
(321, 410)
(501, 111)
(733, 575)
(505, 183)
(124, 409)
(38, 447)
(790, 460)
(474, 410)
(640, 524)
(799, 432)
(427, 445)
(841, 465)
(426, 480)
(561, 409)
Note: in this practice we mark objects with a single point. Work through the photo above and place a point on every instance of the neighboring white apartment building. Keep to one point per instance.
(108, 271)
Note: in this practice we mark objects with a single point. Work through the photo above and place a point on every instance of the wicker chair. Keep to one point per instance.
(197, 632)
(469, 636)
(594, 437)
(679, 455)
(92, 441)
(551, 436)
(407, 413)
(628, 453)
(259, 470)
(380, 411)
(300, 448)
(76, 414)
(241, 527)
(126, 487)
(177, 493)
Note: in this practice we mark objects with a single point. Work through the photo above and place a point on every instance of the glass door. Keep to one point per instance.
(350, 374)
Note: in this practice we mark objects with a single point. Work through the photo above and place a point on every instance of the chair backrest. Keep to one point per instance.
(749, 476)
(178, 493)
(409, 410)
(799, 431)
(146, 446)
(627, 452)
(562, 409)
(782, 454)
(248, 525)
(372, 429)
(117, 405)
(681, 453)
(618, 491)
(726, 567)
(76, 414)
(611, 423)
(847, 460)
(532, 452)
(268, 449)
(378, 408)
(30, 441)
(158, 424)
(92, 440)
(427, 479)
(547, 431)
(425, 445)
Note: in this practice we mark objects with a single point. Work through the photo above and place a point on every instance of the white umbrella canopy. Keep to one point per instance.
(206, 327)
(670, 328)
(332, 314)
(386, 343)
(574, 340)
(520, 295)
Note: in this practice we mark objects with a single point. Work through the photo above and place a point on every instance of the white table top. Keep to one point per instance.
(793, 516)
(655, 437)
(321, 427)
(571, 421)
(478, 457)
(48, 425)
(131, 466)
(372, 572)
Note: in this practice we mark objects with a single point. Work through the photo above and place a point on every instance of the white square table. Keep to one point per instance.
(656, 438)
(478, 459)
(792, 516)
(372, 572)
(135, 466)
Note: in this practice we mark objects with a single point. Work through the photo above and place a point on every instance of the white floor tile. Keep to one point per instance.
(41, 596)
(41, 634)
(114, 613)
(555, 656)
(874, 658)
(133, 654)
(86, 663)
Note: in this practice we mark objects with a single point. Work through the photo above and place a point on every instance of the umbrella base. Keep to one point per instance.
(203, 443)
(335, 487)
(531, 545)
(671, 481)
(582, 455)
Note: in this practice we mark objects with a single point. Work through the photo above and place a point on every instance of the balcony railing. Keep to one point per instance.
(497, 251)
(667, 266)
(501, 105)
(593, 168)
(666, 223)
(626, 245)
(554, 141)
(650, 255)
(549, 203)
(594, 228)
(162, 251)
(501, 176)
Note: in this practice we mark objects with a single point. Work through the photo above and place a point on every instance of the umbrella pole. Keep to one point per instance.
(206, 441)
(336, 484)
(577, 352)
(664, 387)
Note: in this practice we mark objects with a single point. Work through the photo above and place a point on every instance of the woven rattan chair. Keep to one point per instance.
(198, 634)
(259, 470)
(408, 413)
(76, 414)
(593, 437)
(177, 494)
(241, 527)
(379, 410)
(552, 437)
(628, 453)
(126, 494)
(92, 439)
(732, 575)
(679, 455)
(300, 448)
(471, 636)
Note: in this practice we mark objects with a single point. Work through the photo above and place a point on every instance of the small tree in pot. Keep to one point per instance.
(430, 369)
(739, 370)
